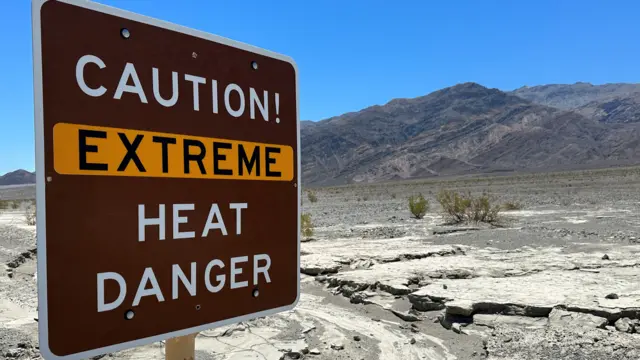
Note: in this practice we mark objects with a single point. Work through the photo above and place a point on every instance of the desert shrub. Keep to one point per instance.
(311, 195)
(460, 208)
(418, 206)
(306, 226)
(15, 205)
(30, 215)
(512, 206)
(5, 204)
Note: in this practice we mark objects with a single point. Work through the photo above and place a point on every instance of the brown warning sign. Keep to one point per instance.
(167, 179)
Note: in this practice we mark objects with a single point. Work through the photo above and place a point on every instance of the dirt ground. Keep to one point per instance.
(558, 279)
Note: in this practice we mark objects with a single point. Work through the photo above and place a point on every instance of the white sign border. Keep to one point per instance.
(41, 181)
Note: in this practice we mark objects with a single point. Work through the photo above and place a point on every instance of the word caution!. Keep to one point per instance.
(92, 150)
(129, 83)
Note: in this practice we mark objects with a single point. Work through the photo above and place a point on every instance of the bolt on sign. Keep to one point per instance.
(167, 179)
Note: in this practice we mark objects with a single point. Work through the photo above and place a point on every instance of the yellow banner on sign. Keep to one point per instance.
(93, 150)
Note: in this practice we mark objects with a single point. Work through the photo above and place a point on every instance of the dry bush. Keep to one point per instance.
(512, 206)
(418, 206)
(459, 208)
(5, 204)
(311, 195)
(30, 215)
(306, 225)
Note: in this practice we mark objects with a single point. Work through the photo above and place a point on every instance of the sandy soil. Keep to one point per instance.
(559, 279)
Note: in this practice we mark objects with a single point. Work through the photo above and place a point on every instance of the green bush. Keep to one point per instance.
(311, 195)
(418, 206)
(306, 225)
(460, 208)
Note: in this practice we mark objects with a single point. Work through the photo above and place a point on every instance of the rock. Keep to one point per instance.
(13, 353)
(304, 351)
(456, 328)
(412, 341)
(611, 296)
(304, 331)
(444, 286)
(321, 278)
(490, 320)
(422, 302)
(559, 317)
(360, 297)
(459, 307)
(605, 257)
(314, 351)
(405, 315)
(395, 289)
(625, 325)
(447, 320)
(337, 346)
(318, 264)
(415, 330)
(444, 230)
(291, 355)
(521, 295)
(356, 338)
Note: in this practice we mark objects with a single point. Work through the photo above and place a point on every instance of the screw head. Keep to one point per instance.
(125, 33)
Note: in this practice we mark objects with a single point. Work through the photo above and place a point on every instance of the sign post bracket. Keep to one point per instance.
(181, 347)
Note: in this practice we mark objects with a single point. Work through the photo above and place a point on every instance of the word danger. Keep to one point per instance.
(130, 83)
(186, 277)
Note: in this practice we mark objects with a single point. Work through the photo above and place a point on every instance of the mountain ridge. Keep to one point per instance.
(467, 129)
(18, 177)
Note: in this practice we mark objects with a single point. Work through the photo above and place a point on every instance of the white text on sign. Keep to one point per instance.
(129, 83)
(148, 285)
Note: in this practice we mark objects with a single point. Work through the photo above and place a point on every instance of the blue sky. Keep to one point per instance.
(356, 53)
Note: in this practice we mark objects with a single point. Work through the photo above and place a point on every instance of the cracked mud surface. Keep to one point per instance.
(559, 280)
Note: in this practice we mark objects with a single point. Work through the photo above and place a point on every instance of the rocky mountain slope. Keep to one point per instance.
(462, 129)
(18, 177)
(570, 96)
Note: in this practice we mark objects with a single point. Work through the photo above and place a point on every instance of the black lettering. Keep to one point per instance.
(243, 161)
(219, 157)
(131, 152)
(84, 149)
(194, 157)
(165, 141)
(270, 160)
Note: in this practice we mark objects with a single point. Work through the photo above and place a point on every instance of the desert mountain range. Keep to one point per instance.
(469, 128)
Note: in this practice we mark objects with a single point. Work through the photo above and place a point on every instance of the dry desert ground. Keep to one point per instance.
(557, 278)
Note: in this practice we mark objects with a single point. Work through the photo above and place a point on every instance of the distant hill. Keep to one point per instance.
(469, 128)
(18, 177)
